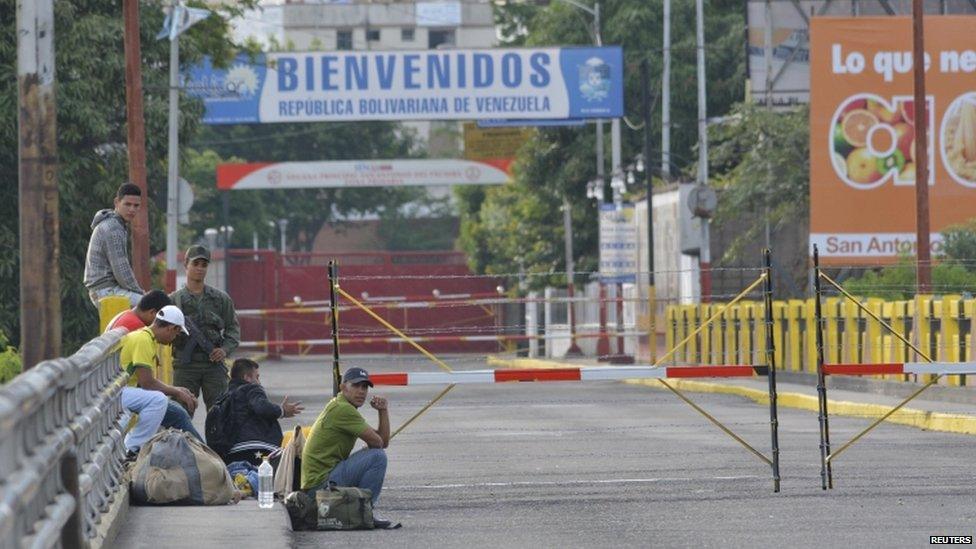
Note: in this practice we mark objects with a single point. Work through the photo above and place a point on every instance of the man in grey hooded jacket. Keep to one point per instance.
(107, 267)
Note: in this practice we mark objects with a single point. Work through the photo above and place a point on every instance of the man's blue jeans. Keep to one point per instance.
(177, 418)
(364, 469)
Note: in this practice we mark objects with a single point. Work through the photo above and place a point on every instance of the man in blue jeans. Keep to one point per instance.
(139, 357)
(327, 456)
(153, 407)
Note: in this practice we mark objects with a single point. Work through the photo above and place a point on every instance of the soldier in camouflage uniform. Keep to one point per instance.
(198, 359)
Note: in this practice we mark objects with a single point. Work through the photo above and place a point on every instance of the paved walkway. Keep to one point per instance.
(240, 526)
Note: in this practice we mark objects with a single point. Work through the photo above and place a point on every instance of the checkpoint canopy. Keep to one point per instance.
(462, 84)
(362, 173)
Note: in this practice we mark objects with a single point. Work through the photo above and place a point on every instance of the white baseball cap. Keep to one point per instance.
(173, 315)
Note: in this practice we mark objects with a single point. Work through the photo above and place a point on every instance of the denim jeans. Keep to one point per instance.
(177, 418)
(151, 407)
(364, 469)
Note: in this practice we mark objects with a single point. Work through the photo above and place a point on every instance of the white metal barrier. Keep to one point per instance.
(61, 449)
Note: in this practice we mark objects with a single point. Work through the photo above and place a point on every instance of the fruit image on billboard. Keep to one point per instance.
(862, 134)
(873, 141)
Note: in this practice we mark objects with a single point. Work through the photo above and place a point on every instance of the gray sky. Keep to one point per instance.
(259, 23)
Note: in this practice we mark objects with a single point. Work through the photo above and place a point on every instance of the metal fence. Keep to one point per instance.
(61, 449)
(944, 327)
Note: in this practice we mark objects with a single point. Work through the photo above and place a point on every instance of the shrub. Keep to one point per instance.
(10, 364)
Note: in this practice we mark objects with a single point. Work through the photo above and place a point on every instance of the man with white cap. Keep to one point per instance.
(140, 359)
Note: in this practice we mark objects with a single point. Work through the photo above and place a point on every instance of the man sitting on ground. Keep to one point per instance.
(326, 458)
(153, 407)
(253, 419)
(139, 357)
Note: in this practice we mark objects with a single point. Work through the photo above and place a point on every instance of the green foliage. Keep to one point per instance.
(10, 363)
(91, 129)
(955, 275)
(519, 226)
(959, 244)
(761, 163)
(898, 281)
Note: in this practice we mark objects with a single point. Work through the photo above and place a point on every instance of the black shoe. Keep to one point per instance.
(130, 456)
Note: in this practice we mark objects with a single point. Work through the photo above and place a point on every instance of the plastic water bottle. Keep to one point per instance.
(265, 485)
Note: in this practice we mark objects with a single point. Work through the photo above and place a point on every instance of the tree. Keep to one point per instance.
(955, 273)
(92, 136)
(761, 162)
(558, 162)
(10, 363)
(959, 244)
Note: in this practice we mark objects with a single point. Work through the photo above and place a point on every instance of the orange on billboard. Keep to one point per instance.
(862, 135)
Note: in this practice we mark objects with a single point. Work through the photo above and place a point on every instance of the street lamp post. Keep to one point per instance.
(704, 254)
(643, 165)
(574, 349)
(617, 183)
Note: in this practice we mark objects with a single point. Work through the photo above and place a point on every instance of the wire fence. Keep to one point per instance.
(939, 323)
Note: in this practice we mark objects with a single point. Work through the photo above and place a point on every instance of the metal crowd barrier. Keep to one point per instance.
(61, 449)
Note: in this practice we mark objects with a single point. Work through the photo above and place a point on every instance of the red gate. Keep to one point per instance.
(265, 280)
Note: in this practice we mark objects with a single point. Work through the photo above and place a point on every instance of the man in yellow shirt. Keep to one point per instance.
(140, 359)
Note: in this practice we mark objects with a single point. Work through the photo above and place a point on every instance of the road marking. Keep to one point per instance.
(516, 484)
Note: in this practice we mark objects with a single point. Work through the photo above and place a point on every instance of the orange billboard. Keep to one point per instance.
(862, 134)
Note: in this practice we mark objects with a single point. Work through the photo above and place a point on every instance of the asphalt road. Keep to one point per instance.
(582, 465)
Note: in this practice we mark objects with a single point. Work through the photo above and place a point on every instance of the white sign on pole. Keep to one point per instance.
(618, 243)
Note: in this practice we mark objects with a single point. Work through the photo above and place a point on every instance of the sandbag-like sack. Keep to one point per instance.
(173, 467)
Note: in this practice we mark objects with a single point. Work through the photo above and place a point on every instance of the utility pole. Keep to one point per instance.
(645, 83)
(923, 255)
(136, 139)
(603, 343)
(704, 258)
(40, 275)
(665, 98)
(173, 160)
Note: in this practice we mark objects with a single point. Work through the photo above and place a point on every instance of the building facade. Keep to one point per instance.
(357, 25)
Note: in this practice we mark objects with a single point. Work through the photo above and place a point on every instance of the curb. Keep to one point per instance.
(111, 521)
(921, 419)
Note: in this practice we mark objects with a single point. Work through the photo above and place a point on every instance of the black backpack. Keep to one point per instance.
(219, 428)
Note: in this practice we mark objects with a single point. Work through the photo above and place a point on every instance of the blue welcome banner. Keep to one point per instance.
(536, 83)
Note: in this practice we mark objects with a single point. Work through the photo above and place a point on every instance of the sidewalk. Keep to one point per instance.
(952, 414)
(240, 526)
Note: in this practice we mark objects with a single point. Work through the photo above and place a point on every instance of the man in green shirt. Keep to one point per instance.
(326, 458)
(198, 358)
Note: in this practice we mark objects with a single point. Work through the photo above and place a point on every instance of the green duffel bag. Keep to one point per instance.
(344, 508)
